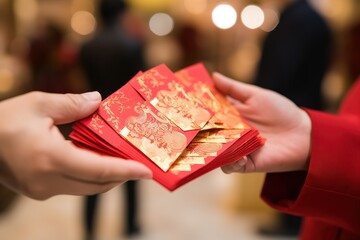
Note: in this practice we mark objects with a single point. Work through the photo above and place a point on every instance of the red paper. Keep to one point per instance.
(145, 121)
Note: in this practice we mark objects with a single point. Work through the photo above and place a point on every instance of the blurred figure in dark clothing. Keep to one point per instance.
(112, 56)
(110, 59)
(353, 50)
(189, 40)
(295, 57)
(51, 59)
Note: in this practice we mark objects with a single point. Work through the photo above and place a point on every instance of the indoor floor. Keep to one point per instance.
(194, 212)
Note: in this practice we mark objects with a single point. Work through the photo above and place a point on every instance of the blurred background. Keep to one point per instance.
(40, 43)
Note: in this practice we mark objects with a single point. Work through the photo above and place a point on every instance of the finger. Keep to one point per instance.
(238, 166)
(65, 108)
(74, 187)
(69, 187)
(81, 188)
(92, 167)
(237, 90)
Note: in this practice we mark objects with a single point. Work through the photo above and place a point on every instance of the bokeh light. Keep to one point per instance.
(83, 22)
(161, 24)
(271, 20)
(224, 16)
(252, 16)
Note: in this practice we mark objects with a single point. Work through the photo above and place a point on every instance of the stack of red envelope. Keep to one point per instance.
(177, 124)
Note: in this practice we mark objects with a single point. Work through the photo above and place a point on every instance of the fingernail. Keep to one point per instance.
(92, 96)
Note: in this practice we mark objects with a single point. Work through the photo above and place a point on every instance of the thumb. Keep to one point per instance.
(65, 108)
(230, 87)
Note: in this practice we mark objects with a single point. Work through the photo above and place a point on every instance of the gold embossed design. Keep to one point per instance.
(178, 106)
(155, 136)
(190, 160)
(120, 100)
(218, 135)
(199, 90)
(171, 98)
(202, 149)
(184, 163)
(226, 116)
(175, 168)
(185, 78)
(149, 80)
(97, 123)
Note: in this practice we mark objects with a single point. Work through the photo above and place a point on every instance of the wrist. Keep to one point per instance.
(306, 127)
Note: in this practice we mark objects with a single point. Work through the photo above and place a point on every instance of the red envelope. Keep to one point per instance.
(165, 92)
(147, 129)
(140, 122)
(226, 116)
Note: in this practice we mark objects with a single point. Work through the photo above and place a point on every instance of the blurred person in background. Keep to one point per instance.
(109, 60)
(353, 50)
(189, 39)
(52, 60)
(295, 58)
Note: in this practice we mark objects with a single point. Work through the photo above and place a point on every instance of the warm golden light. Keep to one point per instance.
(252, 16)
(83, 22)
(150, 6)
(195, 6)
(7, 80)
(161, 24)
(26, 10)
(224, 16)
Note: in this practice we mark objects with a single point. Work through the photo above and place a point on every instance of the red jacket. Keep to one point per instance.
(328, 194)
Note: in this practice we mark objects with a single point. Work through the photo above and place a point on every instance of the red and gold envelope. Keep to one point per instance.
(166, 93)
(177, 124)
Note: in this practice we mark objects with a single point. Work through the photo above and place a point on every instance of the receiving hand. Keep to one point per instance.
(286, 127)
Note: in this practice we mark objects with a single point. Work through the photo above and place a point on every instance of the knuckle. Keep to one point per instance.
(36, 191)
(73, 103)
(42, 161)
(226, 169)
(103, 176)
(36, 96)
(74, 99)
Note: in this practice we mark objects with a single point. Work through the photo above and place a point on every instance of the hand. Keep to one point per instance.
(36, 160)
(286, 127)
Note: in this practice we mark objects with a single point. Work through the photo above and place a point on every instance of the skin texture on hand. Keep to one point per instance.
(37, 161)
(286, 127)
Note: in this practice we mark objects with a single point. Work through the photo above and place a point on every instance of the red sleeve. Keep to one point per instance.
(330, 189)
